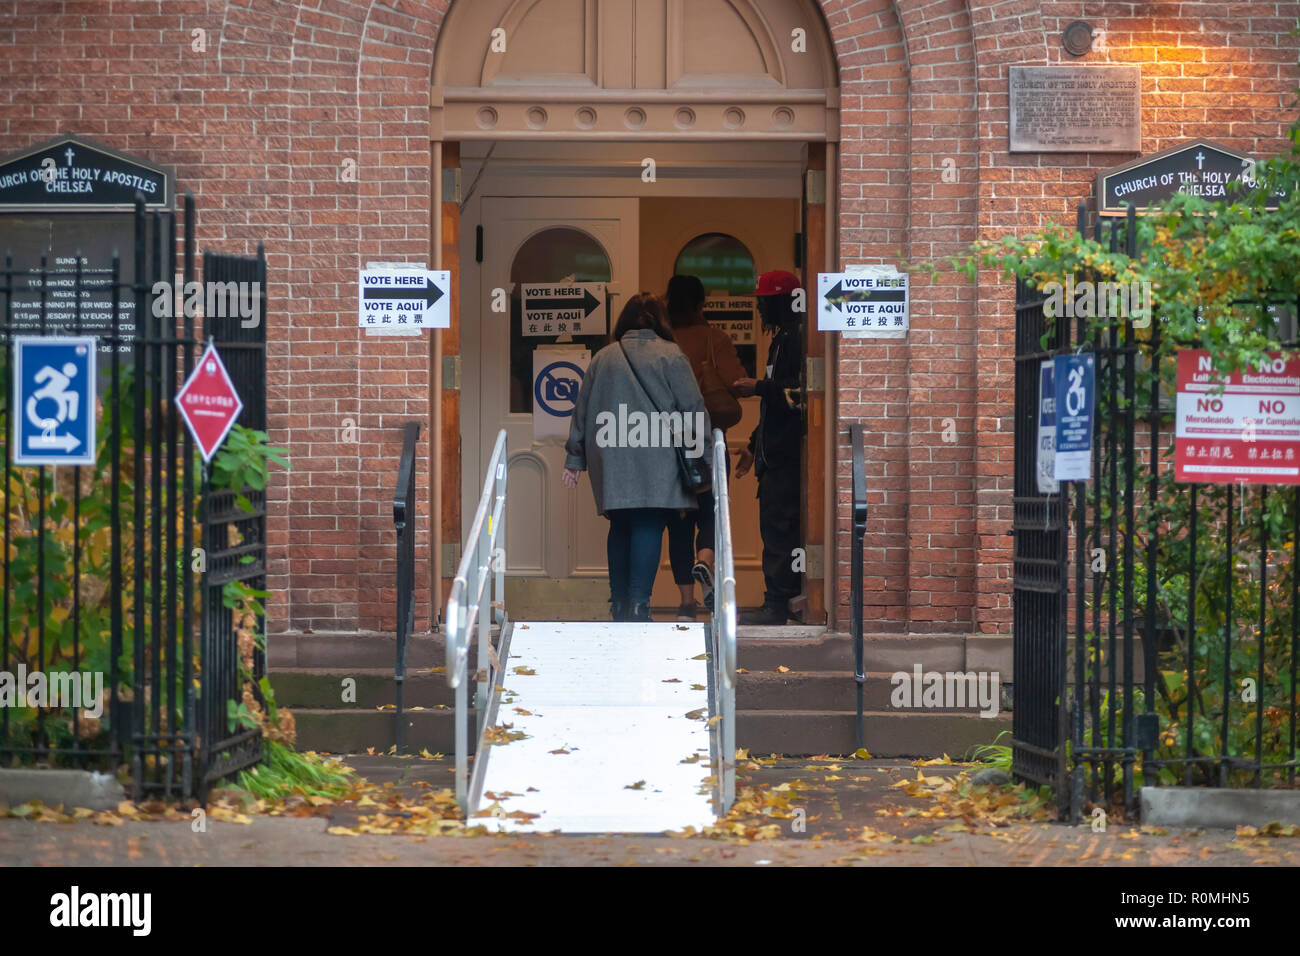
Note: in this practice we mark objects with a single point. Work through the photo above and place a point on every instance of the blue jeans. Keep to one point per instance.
(635, 540)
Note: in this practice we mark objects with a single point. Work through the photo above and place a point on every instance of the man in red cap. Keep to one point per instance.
(776, 448)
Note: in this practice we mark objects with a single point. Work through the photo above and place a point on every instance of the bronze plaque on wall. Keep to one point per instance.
(1076, 109)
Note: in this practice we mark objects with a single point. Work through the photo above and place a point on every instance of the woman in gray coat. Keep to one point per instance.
(639, 401)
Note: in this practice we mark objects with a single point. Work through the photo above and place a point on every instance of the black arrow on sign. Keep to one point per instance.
(589, 303)
(430, 293)
(837, 294)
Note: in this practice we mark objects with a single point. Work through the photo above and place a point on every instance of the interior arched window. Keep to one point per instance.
(723, 263)
(726, 267)
(557, 254)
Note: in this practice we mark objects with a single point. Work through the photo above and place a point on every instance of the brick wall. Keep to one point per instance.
(259, 114)
(263, 125)
(938, 554)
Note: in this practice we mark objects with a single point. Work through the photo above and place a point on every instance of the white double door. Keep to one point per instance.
(552, 531)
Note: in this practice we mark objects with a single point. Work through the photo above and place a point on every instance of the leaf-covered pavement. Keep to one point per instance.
(788, 811)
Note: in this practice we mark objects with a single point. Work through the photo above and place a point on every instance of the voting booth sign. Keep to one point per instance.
(737, 315)
(54, 400)
(557, 379)
(399, 300)
(574, 308)
(872, 303)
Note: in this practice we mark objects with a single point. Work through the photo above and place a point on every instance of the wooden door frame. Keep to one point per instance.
(821, 245)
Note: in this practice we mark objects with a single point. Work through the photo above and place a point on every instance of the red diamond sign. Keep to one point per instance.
(209, 403)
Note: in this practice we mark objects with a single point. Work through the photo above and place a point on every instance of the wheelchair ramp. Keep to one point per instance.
(605, 711)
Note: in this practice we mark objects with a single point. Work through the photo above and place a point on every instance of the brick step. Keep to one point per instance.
(888, 653)
(322, 687)
(825, 691)
(758, 648)
(790, 732)
(364, 650)
(894, 734)
(354, 731)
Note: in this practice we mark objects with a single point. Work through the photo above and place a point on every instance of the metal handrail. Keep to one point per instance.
(855, 588)
(404, 523)
(723, 625)
(483, 561)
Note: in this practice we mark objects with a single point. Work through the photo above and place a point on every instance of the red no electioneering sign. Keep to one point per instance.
(1247, 432)
(208, 403)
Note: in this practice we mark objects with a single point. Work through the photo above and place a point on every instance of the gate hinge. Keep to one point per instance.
(451, 185)
(815, 188)
(816, 374)
(450, 558)
(451, 373)
(816, 566)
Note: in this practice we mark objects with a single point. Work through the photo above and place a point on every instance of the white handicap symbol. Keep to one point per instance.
(1075, 393)
(68, 404)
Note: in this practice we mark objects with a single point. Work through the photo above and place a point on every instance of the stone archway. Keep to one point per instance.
(579, 69)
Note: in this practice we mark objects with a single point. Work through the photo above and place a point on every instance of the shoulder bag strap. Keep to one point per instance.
(627, 358)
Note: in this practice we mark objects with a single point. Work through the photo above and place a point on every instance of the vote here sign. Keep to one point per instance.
(873, 303)
(397, 299)
(1248, 431)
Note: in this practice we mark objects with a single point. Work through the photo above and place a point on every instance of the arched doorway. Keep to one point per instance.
(641, 127)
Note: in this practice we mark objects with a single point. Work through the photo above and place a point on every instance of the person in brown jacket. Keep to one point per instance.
(692, 560)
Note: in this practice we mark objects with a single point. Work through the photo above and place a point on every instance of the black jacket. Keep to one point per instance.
(777, 441)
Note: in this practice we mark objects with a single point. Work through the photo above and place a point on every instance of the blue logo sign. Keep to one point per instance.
(1075, 393)
(54, 400)
(554, 390)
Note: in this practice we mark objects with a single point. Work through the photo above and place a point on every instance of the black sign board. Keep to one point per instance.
(1199, 167)
(70, 174)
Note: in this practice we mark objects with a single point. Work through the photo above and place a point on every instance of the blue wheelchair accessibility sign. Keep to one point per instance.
(54, 400)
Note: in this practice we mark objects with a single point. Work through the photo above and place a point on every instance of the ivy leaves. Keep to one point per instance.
(244, 461)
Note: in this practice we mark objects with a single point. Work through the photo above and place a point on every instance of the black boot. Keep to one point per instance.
(617, 611)
(639, 612)
(766, 615)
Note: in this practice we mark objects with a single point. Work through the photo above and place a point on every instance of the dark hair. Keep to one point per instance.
(643, 311)
(685, 295)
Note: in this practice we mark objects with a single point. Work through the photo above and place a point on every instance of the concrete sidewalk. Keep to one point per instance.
(850, 812)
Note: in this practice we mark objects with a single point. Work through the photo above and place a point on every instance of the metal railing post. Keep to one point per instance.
(482, 671)
(855, 583)
(723, 628)
(480, 578)
(404, 522)
(499, 552)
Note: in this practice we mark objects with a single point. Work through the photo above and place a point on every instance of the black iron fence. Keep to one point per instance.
(1175, 663)
(1039, 583)
(234, 535)
(100, 559)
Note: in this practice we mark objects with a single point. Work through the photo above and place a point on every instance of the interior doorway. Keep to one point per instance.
(728, 242)
(538, 216)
